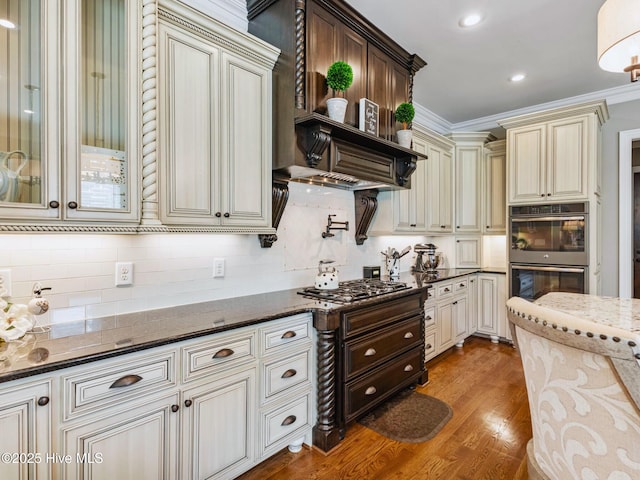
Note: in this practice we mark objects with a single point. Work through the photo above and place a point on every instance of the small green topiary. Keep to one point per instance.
(339, 77)
(405, 113)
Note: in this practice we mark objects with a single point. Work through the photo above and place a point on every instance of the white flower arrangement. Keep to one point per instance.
(15, 319)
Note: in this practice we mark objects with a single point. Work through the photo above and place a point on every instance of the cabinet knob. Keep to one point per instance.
(446, 289)
(54, 204)
(218, 214)
(289, 420)
(429, 346)
(175, 408)
(455, 303)
(72, 205)
(370, 352)
(408, 335)
(457, 226)
(408, 368)
(462, 285)
(42, 401)
(548, 194)
(225, 352)
(412, 225)
(542, 194)
(428, 317)
(488, 226)
(442, 226)
(289, 373)
(226, 215)
(370, 391)
(188, 403)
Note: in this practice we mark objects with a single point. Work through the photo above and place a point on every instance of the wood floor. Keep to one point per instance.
(486, 438)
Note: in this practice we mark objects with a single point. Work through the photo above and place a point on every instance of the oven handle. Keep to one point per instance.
(546, 219)
(548, 269)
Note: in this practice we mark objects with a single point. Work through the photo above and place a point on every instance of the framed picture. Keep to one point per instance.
(368, 116)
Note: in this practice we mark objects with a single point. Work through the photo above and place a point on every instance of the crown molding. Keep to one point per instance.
(620, 94)
(231, 12)
(430, 120)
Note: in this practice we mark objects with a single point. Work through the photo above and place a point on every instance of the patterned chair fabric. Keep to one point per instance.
(583, 385)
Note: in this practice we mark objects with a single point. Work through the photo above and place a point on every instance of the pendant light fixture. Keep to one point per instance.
(619, 37)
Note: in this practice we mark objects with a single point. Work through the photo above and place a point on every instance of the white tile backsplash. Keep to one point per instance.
(176, 269)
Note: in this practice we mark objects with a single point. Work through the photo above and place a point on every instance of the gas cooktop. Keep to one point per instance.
(353, 290)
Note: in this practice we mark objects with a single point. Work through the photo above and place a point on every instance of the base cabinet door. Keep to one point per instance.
(446, 335)
(219, 432)
(460, 319)
(136, 442)
(25, 414)
(492, 319)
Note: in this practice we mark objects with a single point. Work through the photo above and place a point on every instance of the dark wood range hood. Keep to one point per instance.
(308, 146)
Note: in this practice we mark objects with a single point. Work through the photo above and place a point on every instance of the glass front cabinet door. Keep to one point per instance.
(69, 111)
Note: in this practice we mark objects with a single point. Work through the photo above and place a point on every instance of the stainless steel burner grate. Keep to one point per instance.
(353, 290)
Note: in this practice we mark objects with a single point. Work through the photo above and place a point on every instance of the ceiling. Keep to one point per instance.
(467, 74)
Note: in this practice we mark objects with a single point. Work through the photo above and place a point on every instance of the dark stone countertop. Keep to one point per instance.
(73, 343)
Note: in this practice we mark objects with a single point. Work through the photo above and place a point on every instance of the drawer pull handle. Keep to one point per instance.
(429, 346)
(408, 368)
(126, 381)
(428, 317)
(455, 303)
(462, 285)
(42, 401)
(289, 420)
(289, 334)
(370, 391)
(289, 373)
(225, 352)
(408, 335)
(370, 352)
(447, 289)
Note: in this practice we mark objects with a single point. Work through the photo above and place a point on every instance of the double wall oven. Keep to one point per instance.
(549, 249)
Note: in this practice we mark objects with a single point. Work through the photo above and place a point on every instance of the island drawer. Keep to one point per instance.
(373, 317)
(287, 332)
(282, 374)
(368, 391)
(222, 350)
(113, 382)
(374, 349)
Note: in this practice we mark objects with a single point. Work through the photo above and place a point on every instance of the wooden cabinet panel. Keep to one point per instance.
(468, 189)
(378, 91)
(495, 188)
(527, 163)
(354, 52)
(567, 171)
(323, 39)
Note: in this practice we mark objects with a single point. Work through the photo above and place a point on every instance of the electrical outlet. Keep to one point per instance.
(218, 267)
(5, 280)
(124, 273)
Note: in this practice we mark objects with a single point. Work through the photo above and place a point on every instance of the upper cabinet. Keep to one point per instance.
(494, 188)
(69, 118)
(215, 96)
(554, 155)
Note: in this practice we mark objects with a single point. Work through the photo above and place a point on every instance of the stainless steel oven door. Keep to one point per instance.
(533, 281)
(549, 240)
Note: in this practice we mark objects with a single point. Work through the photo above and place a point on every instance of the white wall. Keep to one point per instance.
(175, 269)
(624, 116)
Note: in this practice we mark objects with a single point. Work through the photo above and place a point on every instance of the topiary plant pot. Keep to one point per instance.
(404, 138)
(337, 108)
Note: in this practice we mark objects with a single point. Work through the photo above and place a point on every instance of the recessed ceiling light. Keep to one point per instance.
(518, 77)
(470, 20)
(6, 23)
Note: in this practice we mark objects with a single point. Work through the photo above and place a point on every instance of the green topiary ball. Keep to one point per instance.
(405, 113)
(339, 76)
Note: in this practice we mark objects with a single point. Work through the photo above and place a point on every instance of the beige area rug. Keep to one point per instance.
(409, 417)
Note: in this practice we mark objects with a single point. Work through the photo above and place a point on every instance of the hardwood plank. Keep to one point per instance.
(485, 439)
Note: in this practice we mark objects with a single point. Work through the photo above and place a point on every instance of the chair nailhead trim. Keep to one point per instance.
(632, 343)
(603, 337)
(577, 332)
(616, 339)
(564, 329)
(589, 334)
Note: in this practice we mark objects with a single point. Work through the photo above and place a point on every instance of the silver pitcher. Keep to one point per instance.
(10, 179)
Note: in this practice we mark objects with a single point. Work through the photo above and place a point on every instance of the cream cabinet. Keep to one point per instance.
(72, 117)
(210, 407)
(25, 423)
(494, 188)
(469, 153)
(554, 155)
(214, 97)
(426, 207)
(492, 297)
(468, 251)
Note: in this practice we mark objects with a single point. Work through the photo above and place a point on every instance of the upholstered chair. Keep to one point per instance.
(583, 385)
